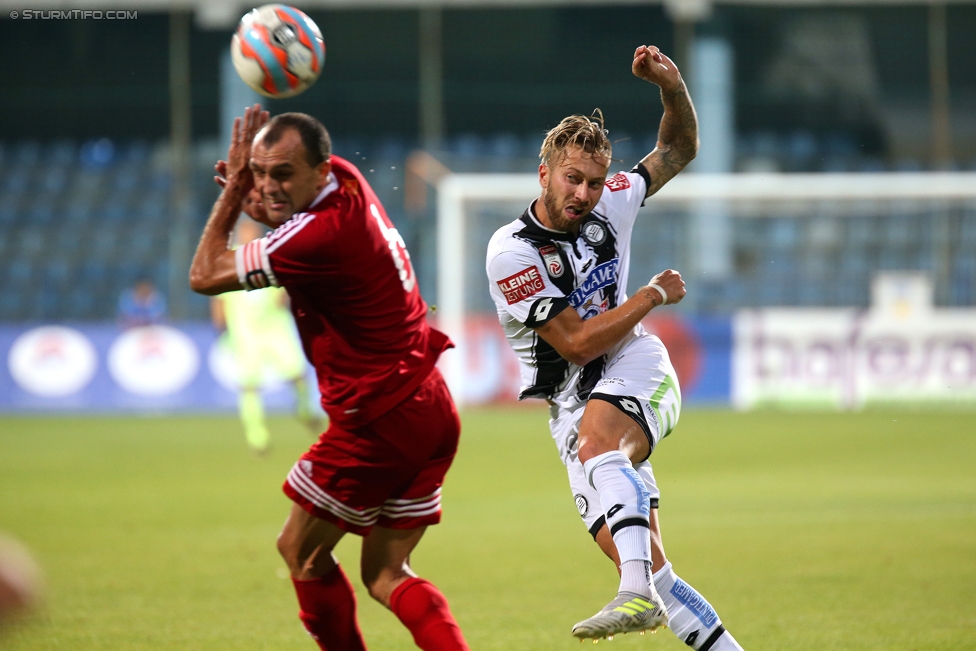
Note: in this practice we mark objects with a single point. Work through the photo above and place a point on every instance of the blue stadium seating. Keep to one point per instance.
(81, 221)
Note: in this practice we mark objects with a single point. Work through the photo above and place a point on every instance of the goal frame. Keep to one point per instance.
(455, 190)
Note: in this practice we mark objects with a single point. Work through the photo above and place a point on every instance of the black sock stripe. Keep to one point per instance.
(712, 639)
(595, 529)
(629, 522)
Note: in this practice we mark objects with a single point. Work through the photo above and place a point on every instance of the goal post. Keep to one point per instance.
(453, 193)
(746, 195)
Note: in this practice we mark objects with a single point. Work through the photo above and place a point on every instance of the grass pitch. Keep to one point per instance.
(805, 531)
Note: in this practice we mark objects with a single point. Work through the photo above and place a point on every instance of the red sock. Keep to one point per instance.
(424, 611)
(328, 610)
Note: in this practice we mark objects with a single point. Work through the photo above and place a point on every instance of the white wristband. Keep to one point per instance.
(664, 294)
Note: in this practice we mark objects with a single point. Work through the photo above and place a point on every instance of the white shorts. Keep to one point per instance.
(641, 382)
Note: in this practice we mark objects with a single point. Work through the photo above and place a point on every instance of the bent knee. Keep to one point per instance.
(378, 590)
(596, 444)
(288, 548)
(380, 585)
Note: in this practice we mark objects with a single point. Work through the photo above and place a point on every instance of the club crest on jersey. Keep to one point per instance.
(602, 275)
(351, 186)
(554, 264)
(522, 285)
(581, 504)
(593, 308)
(618, 182)
(595, 233)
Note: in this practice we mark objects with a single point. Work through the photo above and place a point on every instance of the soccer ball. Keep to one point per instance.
(277, 50)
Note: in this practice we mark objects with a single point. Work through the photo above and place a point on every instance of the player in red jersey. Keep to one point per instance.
(377, 471)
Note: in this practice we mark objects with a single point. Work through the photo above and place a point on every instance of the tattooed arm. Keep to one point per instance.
(677, 139)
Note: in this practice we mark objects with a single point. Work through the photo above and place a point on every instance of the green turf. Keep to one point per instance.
(805, 531)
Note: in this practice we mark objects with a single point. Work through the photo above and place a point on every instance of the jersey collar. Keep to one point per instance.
(332, 184)
(535, 227)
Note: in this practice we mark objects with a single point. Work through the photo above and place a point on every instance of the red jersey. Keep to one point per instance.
(354, 295)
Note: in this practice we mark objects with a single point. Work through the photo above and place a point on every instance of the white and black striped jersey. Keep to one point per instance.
(534, 273)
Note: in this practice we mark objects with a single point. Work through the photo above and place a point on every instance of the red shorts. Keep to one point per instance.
(388, 472)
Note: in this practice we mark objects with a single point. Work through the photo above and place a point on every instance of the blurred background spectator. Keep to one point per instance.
(141, 305)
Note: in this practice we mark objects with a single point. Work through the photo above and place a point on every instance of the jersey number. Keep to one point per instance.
(398, 249)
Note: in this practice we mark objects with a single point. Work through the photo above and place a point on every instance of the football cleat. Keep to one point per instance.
(627, 613)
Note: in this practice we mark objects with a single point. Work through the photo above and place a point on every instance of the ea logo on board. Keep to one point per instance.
(52, 361)
(225, 369)
(153, 360)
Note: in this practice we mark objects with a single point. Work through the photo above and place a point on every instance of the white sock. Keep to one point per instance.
(635, 576)
(690, 617)
(626, 506)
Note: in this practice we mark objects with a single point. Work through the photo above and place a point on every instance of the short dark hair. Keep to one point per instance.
(315, 139)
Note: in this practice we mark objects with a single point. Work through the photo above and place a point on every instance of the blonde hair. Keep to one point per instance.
(581, 131)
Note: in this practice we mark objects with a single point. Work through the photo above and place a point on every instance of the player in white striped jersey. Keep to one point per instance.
(558, 276)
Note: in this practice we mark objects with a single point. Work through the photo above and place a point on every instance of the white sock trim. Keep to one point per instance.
(601, 459)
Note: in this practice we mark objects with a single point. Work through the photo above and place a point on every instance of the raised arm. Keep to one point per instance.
(677, 138)
(213, 270)
(580, 342)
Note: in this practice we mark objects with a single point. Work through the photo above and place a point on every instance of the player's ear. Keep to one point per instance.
(543, 175)
(323, 170)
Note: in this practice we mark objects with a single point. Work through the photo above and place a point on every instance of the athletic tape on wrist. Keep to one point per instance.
(663, 293)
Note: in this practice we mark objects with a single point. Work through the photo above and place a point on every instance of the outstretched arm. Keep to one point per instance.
(677, 138)
(580, 342)
(213, 270)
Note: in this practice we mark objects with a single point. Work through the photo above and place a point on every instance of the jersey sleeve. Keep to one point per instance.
(519, 286)
(624, 196)
(289, 254)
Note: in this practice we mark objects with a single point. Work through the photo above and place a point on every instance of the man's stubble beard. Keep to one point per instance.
(556, 218)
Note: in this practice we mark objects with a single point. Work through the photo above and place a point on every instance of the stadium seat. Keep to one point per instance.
(80, 304)
(871, 164)
(61, 153)
(9, 203)
(31, 241)
(11, 301)
(159, 180)
(41, 212)
(783, 234)
(137, 152)
(624, 150)
(801, 147)
(468, 146)
(103, 243)
(116, 210)
(57, 272)
(47, 303)
(97, 153)
(20, 272)
(17, 180)
(78, 211)
(93, 273)
(967, 226)
(27, 153)
(54, 180)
